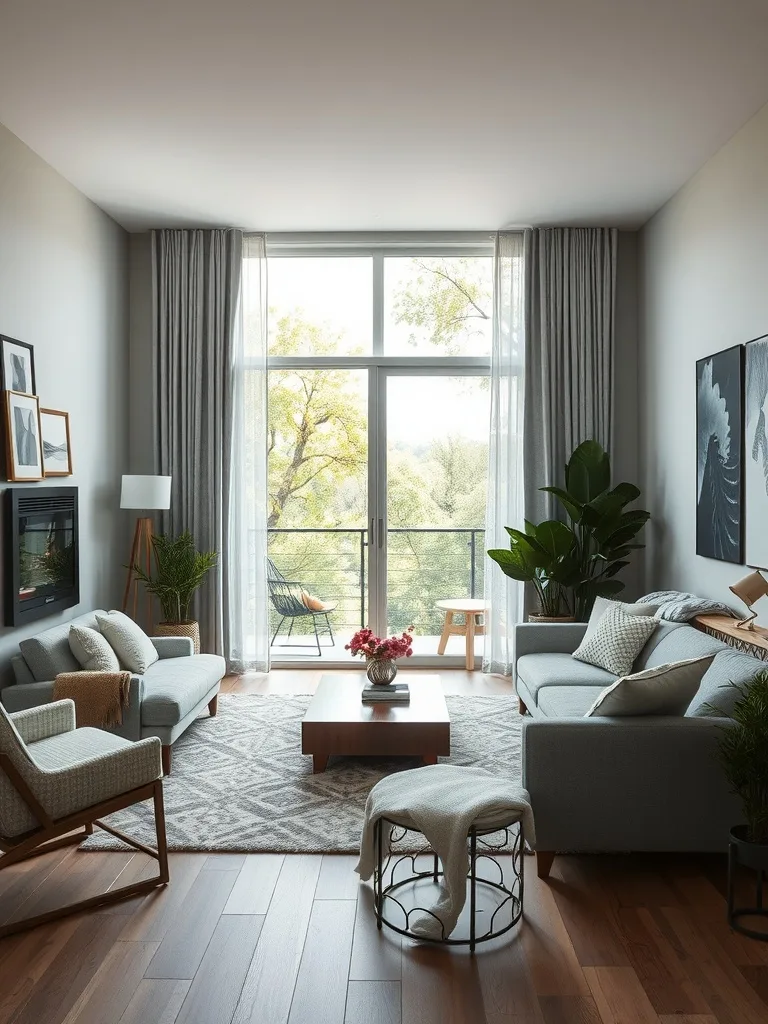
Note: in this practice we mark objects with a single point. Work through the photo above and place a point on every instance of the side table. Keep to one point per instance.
(751, 641)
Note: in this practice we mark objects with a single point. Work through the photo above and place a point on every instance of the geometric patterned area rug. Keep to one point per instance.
(241, 784)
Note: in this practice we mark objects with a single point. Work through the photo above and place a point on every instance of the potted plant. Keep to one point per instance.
(743, 754)
(179, 571)
(380, 653)
(570, 564)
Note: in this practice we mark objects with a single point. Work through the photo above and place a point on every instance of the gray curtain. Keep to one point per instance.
(196, 295)
(570, 295)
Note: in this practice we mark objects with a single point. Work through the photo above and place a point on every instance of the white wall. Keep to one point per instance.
(704, 287)
(64, 289)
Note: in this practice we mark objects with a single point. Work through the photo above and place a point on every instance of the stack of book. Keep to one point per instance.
(394, 693)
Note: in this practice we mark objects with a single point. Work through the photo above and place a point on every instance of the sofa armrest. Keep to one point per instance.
(48, 720)
(548, 637)
(645, 783)
(34, 695)
(173, 646)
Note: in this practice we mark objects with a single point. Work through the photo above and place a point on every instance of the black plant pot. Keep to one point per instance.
(750, 855)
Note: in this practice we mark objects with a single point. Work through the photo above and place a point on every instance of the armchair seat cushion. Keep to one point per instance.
(543, 670)
(174, 686)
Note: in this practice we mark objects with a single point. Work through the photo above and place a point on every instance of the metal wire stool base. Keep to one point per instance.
(481, 849)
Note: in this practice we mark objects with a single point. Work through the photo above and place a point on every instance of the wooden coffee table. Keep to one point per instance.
(337, 721)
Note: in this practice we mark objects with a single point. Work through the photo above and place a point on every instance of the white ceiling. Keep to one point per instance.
(380, 114)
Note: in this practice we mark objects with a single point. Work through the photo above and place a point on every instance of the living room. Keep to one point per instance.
(297, 323)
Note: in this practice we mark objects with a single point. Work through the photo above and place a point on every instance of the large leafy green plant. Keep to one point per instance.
(743, 753)
(180, 569)
(570, 564)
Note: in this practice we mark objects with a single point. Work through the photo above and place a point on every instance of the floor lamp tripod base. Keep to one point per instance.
(141, 554)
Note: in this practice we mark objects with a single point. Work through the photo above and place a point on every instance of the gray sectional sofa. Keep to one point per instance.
(163, 702)
(617, 784)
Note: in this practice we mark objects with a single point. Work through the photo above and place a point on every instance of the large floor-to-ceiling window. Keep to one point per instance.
(379, 356)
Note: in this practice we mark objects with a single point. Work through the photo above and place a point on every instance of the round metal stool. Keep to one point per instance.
(399, 844)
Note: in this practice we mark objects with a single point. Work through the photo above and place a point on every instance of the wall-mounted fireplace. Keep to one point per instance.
(41, 552)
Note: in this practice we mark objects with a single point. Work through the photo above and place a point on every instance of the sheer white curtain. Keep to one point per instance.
(505, 597)
(248, 600)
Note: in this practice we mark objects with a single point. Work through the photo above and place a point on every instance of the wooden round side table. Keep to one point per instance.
(473, 625)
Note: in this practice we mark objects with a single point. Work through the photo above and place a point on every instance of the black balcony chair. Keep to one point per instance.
(287, 600)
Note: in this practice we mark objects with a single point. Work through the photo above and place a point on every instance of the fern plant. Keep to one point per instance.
(743, 753)
(179, 571)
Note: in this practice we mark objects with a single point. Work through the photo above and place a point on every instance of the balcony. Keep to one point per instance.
(424, 565)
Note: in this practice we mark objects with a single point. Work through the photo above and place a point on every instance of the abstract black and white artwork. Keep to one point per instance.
(23, 447)
(17, 365)
(57, 456)
(756, 453)
(719, 418)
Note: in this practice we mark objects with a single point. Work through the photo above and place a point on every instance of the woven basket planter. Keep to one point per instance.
(189, 628)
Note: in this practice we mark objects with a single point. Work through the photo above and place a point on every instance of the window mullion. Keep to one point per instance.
(378, 304)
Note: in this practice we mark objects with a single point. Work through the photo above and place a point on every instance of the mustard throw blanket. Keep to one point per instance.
(99, 696)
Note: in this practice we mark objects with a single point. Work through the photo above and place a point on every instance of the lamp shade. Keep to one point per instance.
(146, 492)
(751, 588)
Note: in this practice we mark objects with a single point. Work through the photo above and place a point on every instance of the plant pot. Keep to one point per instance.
(380, 671)
(551, 618)
(754, 856)
(189, 628)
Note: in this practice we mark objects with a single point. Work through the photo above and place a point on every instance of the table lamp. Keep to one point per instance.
(749, 590)
(150, 494)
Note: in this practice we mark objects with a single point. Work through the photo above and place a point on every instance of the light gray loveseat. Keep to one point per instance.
(163, 702)
(618, 784)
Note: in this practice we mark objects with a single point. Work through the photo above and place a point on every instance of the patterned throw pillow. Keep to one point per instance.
(664, 690)
(92, 650)
(129, 642)
(616, 641)
(602, 604)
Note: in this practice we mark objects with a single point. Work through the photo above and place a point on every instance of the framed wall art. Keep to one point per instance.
(756, 446)
(17, 366)
(24, 452)
(719, 455)
(57, 451)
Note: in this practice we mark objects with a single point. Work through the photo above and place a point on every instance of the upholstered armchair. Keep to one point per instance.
(56, 781)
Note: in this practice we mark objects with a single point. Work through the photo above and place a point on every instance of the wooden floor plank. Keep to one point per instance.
(619, 996)
(373, 1002)
(224, 862)
(20, 881)
(568, 1010)
(338, 879)
(159, 909)
(758, 979)
(187, 938)
(595, 939)
(255, 884)
(376, 955)
(506, 982)
(215, 991)
(441, 985)
(687, 1018)
(109, 992)
(156, 1002)
(25, 960)
(549, 952)
(321, 985)
(268, 989)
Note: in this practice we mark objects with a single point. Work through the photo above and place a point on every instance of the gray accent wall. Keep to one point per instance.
(703, 287)
(64, 289)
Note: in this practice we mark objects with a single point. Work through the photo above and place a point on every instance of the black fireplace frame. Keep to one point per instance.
(17, 611)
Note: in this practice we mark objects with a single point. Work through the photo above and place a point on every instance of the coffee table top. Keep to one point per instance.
(337, 699)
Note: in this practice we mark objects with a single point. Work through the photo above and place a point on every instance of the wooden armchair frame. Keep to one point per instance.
(73, 829)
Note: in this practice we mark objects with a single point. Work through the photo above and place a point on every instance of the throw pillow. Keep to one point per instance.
(617, 640)
(602, 604)
(313, 603)
(92, 650)
(664, 690)
(129, 642)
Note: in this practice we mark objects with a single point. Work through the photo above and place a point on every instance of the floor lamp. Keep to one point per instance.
(149, 494)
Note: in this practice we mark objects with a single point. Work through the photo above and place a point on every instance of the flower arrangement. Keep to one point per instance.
(379, 648)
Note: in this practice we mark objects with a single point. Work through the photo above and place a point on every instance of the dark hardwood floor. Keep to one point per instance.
(273, 939)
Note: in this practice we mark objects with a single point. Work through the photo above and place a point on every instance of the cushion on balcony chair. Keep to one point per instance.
(315, 604)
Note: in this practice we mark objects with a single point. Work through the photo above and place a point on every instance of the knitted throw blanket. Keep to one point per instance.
(99, 696)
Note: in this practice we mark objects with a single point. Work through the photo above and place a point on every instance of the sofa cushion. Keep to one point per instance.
(92, 650)
(567, 701)
(659, 635)
(601, 606)
(678, 644)
(541, 670)
(617, 640)
(129, 641)
(48, 652)
(729, 667)
(174, 686)
(664, 690)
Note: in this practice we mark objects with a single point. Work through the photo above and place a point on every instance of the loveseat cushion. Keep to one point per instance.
(567, 701)
(729, 667)
(542, 670)
(174, 686)
(48, 653)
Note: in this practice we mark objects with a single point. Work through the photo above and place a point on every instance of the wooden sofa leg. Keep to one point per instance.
(166, 760)
(521, 707)
(544, 859)
(213, 706)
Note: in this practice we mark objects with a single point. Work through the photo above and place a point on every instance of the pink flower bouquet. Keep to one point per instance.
(369, 646)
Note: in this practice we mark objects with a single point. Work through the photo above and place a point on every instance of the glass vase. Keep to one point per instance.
(380, 671)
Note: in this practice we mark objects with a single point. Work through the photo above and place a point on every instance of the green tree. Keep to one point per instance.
(446, 299)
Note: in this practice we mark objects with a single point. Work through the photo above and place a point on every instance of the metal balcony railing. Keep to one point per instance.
(424, 565)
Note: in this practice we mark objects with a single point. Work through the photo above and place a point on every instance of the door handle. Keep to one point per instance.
(381, 533)
(372, 534)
